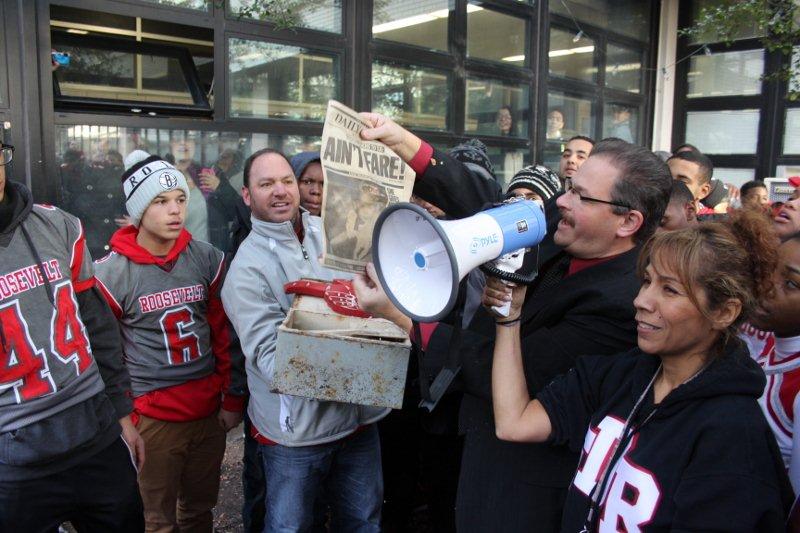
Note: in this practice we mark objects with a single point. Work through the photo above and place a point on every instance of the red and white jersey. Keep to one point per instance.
(780, 359)
(758, 341)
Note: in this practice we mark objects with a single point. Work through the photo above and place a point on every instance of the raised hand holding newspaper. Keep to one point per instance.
(361, 179)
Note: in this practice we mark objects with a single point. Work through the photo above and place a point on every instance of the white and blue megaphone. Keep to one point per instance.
(421, 260)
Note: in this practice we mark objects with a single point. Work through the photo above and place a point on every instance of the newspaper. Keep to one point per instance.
(361, 179)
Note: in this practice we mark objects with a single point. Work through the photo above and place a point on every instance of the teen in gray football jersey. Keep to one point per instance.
(63, 387)
(163, 286)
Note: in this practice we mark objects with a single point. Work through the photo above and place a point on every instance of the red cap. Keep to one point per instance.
(794, 181)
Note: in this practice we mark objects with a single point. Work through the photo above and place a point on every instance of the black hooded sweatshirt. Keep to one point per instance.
(63, 384)
(704, 459)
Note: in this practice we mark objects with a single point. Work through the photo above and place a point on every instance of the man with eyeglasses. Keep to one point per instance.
(68, 448)
(581, 303)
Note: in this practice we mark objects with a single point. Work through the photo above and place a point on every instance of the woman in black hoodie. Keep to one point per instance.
(671, 434)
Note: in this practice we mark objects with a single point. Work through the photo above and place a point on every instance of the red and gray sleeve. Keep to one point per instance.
(101, 326)
(228, 356)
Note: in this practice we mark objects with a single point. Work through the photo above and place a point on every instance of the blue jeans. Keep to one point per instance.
(346, 472)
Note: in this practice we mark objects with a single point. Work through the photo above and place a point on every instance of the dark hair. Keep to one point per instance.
(734, 258)
(581, 138)
(680, 193)
(513, 130)
(699, 159)
(256, 155)
(750, 185)
(644, 182)
(691, 147)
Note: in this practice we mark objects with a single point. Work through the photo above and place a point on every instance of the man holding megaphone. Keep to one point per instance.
(581, 303)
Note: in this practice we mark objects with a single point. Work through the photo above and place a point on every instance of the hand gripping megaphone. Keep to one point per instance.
(421, 260)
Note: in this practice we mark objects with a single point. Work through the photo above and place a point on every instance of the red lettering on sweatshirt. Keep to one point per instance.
(27, 278)
(170, 298)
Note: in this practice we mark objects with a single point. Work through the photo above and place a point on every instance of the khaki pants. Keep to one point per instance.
(180, 479)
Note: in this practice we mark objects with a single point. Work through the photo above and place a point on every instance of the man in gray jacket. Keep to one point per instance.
(308, 447)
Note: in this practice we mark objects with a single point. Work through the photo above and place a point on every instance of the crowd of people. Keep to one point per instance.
(648, 379)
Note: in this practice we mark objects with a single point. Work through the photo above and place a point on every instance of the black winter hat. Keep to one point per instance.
(537, 178)
(473, 151)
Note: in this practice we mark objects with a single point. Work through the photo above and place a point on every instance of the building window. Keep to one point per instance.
(90, 164)
(421, 23)
(496, 36)
(723, 132)
(458, 74)
(413, 96)
(791, 132)
(496, 108)
(745, 124)
(630, 18)
(202, 5)
(624, 68)
(725, 74)
(114, 63)
(279, 81)
(323, 15)
(571, 58)
(598, 54)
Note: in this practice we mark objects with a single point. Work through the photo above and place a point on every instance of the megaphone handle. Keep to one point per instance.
(502, 310)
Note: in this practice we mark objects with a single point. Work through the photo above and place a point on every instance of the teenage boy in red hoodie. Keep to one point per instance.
(163, 286)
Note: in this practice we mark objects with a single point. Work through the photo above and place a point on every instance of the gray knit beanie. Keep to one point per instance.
(147, 179)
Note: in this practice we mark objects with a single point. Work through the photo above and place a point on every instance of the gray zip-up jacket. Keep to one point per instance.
(256, 304)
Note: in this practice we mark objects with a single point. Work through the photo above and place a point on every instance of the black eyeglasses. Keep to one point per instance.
(569, 189)
(6, 154)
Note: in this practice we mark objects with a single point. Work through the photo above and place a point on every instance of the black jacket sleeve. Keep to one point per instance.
(103, 331)
(454, 188)
(571, 399)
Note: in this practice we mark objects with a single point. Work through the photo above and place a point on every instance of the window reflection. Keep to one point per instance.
(495, 36)
(90, 164)
(570, 57)
(96, 73)
(189, 4)
(723, 132)
(742, 30)
(420, 23)
(628, 17)
(791, 131)
(624, 68)
(412, 96)
(567, 116)
(490, 104)
(725, 74)
(279, 81)
(621, 121)
(507, 162)
(324, 15)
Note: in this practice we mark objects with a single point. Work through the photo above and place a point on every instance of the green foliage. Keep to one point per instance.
(776, 22)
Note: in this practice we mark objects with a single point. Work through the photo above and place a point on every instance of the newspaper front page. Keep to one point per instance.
(361, 179)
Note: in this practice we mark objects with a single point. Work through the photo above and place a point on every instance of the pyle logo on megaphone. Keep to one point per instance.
(483, 242)
(421, 260)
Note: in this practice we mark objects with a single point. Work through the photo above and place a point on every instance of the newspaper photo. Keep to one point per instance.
(361, 179)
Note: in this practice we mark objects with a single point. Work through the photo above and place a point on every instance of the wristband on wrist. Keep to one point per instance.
(508, 322)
